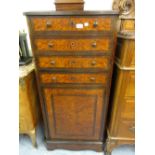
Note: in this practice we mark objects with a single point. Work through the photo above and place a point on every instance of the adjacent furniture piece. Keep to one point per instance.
(28, 102)
(121, 122)
(66, 5)
(74, 54)
(121, 128)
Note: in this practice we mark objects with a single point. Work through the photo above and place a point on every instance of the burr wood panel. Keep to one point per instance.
(71, 24)
(73, 78)
(63, 45)
(101, 62)
(74, 113)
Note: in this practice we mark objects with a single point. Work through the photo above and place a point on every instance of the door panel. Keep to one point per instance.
(74, 113)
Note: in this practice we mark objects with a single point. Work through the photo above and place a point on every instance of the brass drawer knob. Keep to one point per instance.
(94, 44)
(52, 62)
(92, 78)
(54, 78)
(50, 45)
(95, 24)
(48, 24)
(93, 63)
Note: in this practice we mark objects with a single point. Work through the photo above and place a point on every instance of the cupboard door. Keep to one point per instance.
(75, 113)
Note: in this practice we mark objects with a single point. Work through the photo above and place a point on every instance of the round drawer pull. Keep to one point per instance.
(93, 63)
(94, 44)
(50, 45)
(54, 78)
(92, 78)
(95, 24)
(52, 62)
(48, 24)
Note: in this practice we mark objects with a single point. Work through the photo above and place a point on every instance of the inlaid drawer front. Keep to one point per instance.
(79, 45)
(73, 78)
(126, 129)
(71, 24)
(102, 62)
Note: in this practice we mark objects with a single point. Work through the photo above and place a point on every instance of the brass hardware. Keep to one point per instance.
(54, 78)
(52, 62)
(92, 78)
(50, 45)
(93, 63)
(48, 24)
(95, 24)
(94, 44)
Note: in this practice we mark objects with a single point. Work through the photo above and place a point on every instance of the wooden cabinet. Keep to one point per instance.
(28, 102)
(121, 125)
(74, 54)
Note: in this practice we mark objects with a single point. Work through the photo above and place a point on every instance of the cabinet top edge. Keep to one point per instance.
(71, 13)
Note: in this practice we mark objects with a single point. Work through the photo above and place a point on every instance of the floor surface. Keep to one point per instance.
(26, 148)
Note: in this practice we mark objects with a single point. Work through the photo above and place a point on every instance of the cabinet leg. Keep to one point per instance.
(32, 135)
(107, 153)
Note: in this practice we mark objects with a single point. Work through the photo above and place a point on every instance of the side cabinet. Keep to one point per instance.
(121, 124)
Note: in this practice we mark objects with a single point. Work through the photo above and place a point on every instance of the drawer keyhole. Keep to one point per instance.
(72, 44)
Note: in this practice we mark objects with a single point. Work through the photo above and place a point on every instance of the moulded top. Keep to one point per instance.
(70, 13)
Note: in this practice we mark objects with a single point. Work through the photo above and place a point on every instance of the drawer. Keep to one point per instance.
(39, 24)
(73, 78)
(126, 129)
(58, 62)
(62, 45)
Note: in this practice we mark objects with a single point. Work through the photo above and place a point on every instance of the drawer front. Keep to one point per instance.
(102, 62)
(72, 44)
(126, 129)
(73, 78)
(71, 24)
